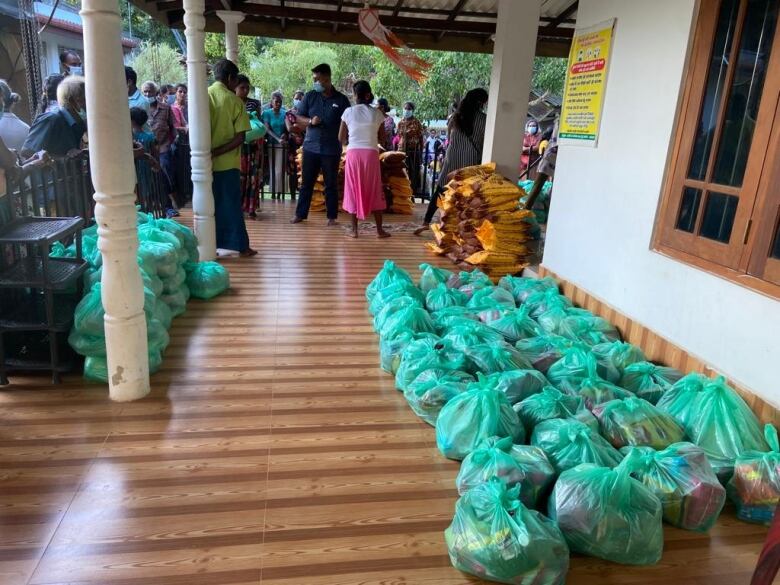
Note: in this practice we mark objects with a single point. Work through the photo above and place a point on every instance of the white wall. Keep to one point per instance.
(605, 200)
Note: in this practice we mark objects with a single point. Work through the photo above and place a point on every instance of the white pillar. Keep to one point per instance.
(510, 82)
(113, 176)
(231, 19)
(200, 130)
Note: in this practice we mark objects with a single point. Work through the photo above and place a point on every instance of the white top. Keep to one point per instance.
(13, 131)
(363, 123)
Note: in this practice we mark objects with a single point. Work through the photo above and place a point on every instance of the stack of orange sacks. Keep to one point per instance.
(395, 180)
(481, 224)
(318, 195)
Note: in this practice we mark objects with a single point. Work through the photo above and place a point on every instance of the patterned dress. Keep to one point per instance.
(252, 166)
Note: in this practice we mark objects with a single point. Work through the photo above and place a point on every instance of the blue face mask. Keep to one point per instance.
(76, 70)
(408, 113)
(83, 114)
(297, 103)
(318, 87)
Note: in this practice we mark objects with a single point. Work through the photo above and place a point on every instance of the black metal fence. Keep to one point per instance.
(280, 170)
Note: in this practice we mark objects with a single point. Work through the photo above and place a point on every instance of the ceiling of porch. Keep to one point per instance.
(447, 25)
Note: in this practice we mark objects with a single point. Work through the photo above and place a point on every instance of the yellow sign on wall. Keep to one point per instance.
(586, 79)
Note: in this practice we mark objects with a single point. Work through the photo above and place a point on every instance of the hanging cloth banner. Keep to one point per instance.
(394, 48)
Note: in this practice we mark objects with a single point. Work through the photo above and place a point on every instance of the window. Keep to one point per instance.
(721, 204)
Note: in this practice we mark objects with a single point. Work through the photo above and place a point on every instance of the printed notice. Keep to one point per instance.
(586, 79)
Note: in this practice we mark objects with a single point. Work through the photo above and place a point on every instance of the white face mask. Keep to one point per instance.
(408, 114)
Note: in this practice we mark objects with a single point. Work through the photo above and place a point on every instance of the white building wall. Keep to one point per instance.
(53, 42)
(605, 201)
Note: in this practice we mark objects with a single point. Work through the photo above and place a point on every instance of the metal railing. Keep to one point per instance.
(280, 172)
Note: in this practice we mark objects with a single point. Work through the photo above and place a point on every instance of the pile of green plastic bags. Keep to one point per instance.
(171, 273)
(570, 439)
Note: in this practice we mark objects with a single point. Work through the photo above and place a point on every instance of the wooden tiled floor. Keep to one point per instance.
(272, 449)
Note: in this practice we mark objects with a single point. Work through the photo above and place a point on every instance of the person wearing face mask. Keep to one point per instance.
(59, 131)
(295, 136)
(531, 142)
(135, 99)
(411, 133)
(70, 63)
(12, 130)
(466, 129)
(161, 124)
(320, 115)
(229, 125)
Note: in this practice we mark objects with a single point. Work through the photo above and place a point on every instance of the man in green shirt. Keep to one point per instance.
(229, 124)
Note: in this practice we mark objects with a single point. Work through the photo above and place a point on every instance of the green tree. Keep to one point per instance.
(159, 63)
(549, 74)
(248, 52)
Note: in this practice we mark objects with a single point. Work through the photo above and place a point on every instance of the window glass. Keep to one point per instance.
(745, 92)
(713, 94)
(718, 219)
(689, 209)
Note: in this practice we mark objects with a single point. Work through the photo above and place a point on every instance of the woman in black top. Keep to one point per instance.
(466, 129)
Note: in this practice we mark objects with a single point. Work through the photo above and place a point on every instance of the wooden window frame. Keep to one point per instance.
(748, 263)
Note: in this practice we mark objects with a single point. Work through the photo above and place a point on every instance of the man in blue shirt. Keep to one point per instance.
(135, 99)
(58, 131)
(320, 115)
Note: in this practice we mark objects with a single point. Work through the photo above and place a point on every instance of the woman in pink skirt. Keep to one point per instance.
(362, 130)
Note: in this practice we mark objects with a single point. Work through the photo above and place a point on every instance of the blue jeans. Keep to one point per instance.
(312, 164)
(231, 230)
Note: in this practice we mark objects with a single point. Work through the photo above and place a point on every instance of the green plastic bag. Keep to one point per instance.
(89, 313)
(682, 478)
(516, 385)
(543, 351)
(515, 465)
(606, 513)
(551, 403)
(494, 536)
(171, 284)
(466, 333)
(595, 391)
(516, 325)
(649, 381)
(432, 277)
(151, 281)
(390, 350)
(390, 274)
(149, 232)
(442, 297)
(571, 369)
(158, 258)
(432, 389)
(186, 236)
(206, 280)
(545, 299)
(471, 417)
(474, 280)
(87, 345)
(427, 354)
(394, 291)
(634, 421)
(523, 287)
(157, 336)
(568, 442)
(177, 302)
(496, 357)
(678, 401)
(584, 326)
(755, 486)
(446, 319)
(89, 249)
(724, 426)
(491, 297)
(163, 314)
(391, 308)
(414, 319)
(614, 357)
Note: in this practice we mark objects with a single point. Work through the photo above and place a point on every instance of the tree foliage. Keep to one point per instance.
(549, 74)
(159, 63)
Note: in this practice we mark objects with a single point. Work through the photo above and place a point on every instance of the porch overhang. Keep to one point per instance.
(445, 25)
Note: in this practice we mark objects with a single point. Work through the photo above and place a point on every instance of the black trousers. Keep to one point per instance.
(313, 163)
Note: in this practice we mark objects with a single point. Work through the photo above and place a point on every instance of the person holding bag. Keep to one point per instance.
(466, 133)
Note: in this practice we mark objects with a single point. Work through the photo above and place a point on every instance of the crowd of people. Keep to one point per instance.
(254, 145)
